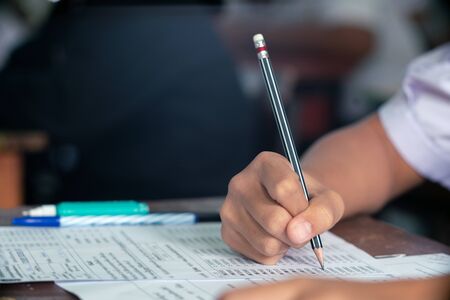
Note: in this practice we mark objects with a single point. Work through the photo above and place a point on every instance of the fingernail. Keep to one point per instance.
(301, 232)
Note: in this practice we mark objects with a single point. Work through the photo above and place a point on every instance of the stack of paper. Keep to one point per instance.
(174, 262)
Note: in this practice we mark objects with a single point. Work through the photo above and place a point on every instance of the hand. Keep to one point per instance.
(313, 289)
(266, 212)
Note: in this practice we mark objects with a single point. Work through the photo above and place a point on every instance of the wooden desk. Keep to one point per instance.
(373, 236)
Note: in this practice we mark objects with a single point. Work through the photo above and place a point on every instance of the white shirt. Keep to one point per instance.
(417, 118)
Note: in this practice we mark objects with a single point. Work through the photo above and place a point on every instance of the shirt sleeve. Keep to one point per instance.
(417, 118)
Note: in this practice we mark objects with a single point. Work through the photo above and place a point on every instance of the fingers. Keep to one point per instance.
(244, 234)
(238, 243)
(323, 212)
(280, 181)
(245, 193)
(257, 214)
(254, 234)
(269, 215)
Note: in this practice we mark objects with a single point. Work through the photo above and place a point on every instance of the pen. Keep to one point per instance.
(283, 127)
(72, 221)
(90, 208)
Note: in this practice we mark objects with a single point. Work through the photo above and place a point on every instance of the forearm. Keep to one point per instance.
(361, 164)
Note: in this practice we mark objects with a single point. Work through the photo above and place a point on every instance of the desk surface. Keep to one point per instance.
(374, 237)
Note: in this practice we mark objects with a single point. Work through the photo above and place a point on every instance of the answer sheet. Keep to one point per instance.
(160, 253)
(405, 267)
(156, 289)
(418, 266)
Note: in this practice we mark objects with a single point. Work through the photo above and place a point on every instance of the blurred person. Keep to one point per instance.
(138, 102)
(19, 19)
(354, 170)
(365, 44)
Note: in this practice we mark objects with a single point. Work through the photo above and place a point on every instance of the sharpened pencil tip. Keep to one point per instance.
(319, 254)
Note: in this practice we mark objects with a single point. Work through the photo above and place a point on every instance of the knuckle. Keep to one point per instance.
(236, 185)
(226, 211)
(286, 188)
(275, 223)
(264, 157)
(272, 247)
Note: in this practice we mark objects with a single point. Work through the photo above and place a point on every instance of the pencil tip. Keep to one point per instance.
(319, 254)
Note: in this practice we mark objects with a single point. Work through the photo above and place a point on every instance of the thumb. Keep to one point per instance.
(323, 212)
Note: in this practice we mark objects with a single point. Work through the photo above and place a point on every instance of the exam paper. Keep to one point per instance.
(405, 267)
(192, 252)
(156, 290)
(418, 266)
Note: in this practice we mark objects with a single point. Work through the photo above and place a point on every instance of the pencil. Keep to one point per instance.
(283, 128)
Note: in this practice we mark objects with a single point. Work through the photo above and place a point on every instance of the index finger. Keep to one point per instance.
(281, 182)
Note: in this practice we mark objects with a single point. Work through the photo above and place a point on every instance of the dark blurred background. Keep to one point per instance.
(164, 99)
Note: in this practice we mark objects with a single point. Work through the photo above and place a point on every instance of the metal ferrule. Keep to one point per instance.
(263, 54)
